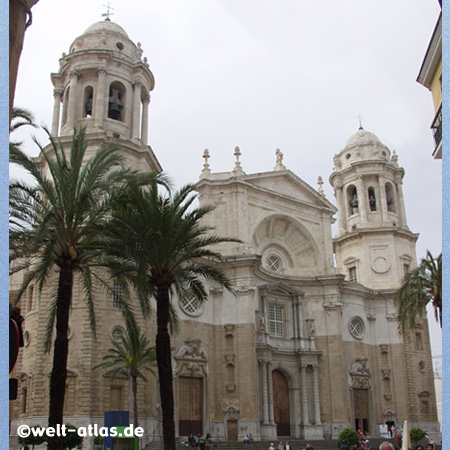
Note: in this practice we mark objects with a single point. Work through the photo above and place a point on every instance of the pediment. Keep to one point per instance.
(279, 289)
(285, 183)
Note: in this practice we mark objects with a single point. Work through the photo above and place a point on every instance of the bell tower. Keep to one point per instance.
(104, 84)
(374, 245)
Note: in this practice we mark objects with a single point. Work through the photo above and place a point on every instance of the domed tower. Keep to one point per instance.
(104, 84)
(374, 245)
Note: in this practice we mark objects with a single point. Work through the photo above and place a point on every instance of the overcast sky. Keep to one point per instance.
(267, 74)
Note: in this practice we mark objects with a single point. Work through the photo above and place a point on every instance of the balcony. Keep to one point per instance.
(436, 127)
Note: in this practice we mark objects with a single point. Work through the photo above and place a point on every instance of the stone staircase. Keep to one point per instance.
(296, 444)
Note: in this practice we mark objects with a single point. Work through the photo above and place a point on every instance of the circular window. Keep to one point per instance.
(190, 304)
(274, 263)
(384, 153)
(117, 333)
(348, 155)
(356, 327)
(421, 366)
(120, 46)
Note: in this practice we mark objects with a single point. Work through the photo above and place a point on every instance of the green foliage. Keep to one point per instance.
(420, 287)
(132, 356)
(71, 440)
(417, 434)
(31, 439)
(348, 437)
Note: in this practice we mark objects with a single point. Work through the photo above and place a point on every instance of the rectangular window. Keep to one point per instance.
(30, 298)
(117, 295)
(276, 320)
(418, 341)
(352, 274)
(23, 406)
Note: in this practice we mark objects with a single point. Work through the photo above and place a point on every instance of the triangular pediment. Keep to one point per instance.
(279, 289)
(288, 185)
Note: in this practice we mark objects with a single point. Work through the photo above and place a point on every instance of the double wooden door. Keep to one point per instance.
(190, 398)
(361, 409)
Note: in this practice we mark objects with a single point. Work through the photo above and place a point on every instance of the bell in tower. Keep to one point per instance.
(104, 85)
(373, 243)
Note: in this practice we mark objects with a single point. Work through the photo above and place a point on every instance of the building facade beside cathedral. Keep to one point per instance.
(306, 346)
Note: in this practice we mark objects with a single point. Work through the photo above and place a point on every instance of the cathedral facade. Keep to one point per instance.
(307, 343)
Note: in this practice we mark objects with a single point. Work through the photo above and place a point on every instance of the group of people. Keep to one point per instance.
(248, 439)
(200, 441)
(286, 446)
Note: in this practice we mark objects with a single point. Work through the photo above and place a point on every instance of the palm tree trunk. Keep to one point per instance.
(60, 354)
(134, 386)
(164, 360)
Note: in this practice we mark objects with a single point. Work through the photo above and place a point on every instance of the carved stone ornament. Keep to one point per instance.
(333, 306)
(359, 366)
(229, 329)
(389, 414)
(191, 359)
(231, 387)
(231, 413)
(360, 374)
(192, 350)
(244, 290)
(384, 349)
(386, 374)
(229, 358)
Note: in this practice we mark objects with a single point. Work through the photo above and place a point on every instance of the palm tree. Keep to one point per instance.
(132, 356)
(61, 214)
(158, 244)
(420, 286)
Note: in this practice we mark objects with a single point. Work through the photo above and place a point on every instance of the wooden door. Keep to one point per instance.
(361, 409)
(190, 405)
(232, 430)
(281, 404)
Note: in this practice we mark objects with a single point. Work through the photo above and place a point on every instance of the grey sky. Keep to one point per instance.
(267, 74)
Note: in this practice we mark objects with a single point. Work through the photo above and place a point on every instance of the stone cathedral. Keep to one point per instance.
(307, 346)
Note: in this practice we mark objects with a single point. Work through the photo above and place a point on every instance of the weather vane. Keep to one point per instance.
(108, 12)
(360, 121)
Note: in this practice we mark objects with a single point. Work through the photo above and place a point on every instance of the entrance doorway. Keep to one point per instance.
(281, 412)
(190, 405)
(361, 409)
(232, 430)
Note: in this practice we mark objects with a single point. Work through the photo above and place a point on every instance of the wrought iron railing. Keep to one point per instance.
(436, 127)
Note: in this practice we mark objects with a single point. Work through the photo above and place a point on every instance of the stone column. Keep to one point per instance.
(316, 394)
(136, 110)
(73, 97)
(383, 204)
(264, 399)
(99, 110)
(304, 394)
(401, 205)
(342, 208)
(362, 200)
(270, 386)
(57, 94)
(144, 132)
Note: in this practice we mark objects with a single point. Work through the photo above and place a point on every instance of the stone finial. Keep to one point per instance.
(206, 171)
(206, 157)
(320, 183)
(394, 158)
(237, 166)
(279, 164)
